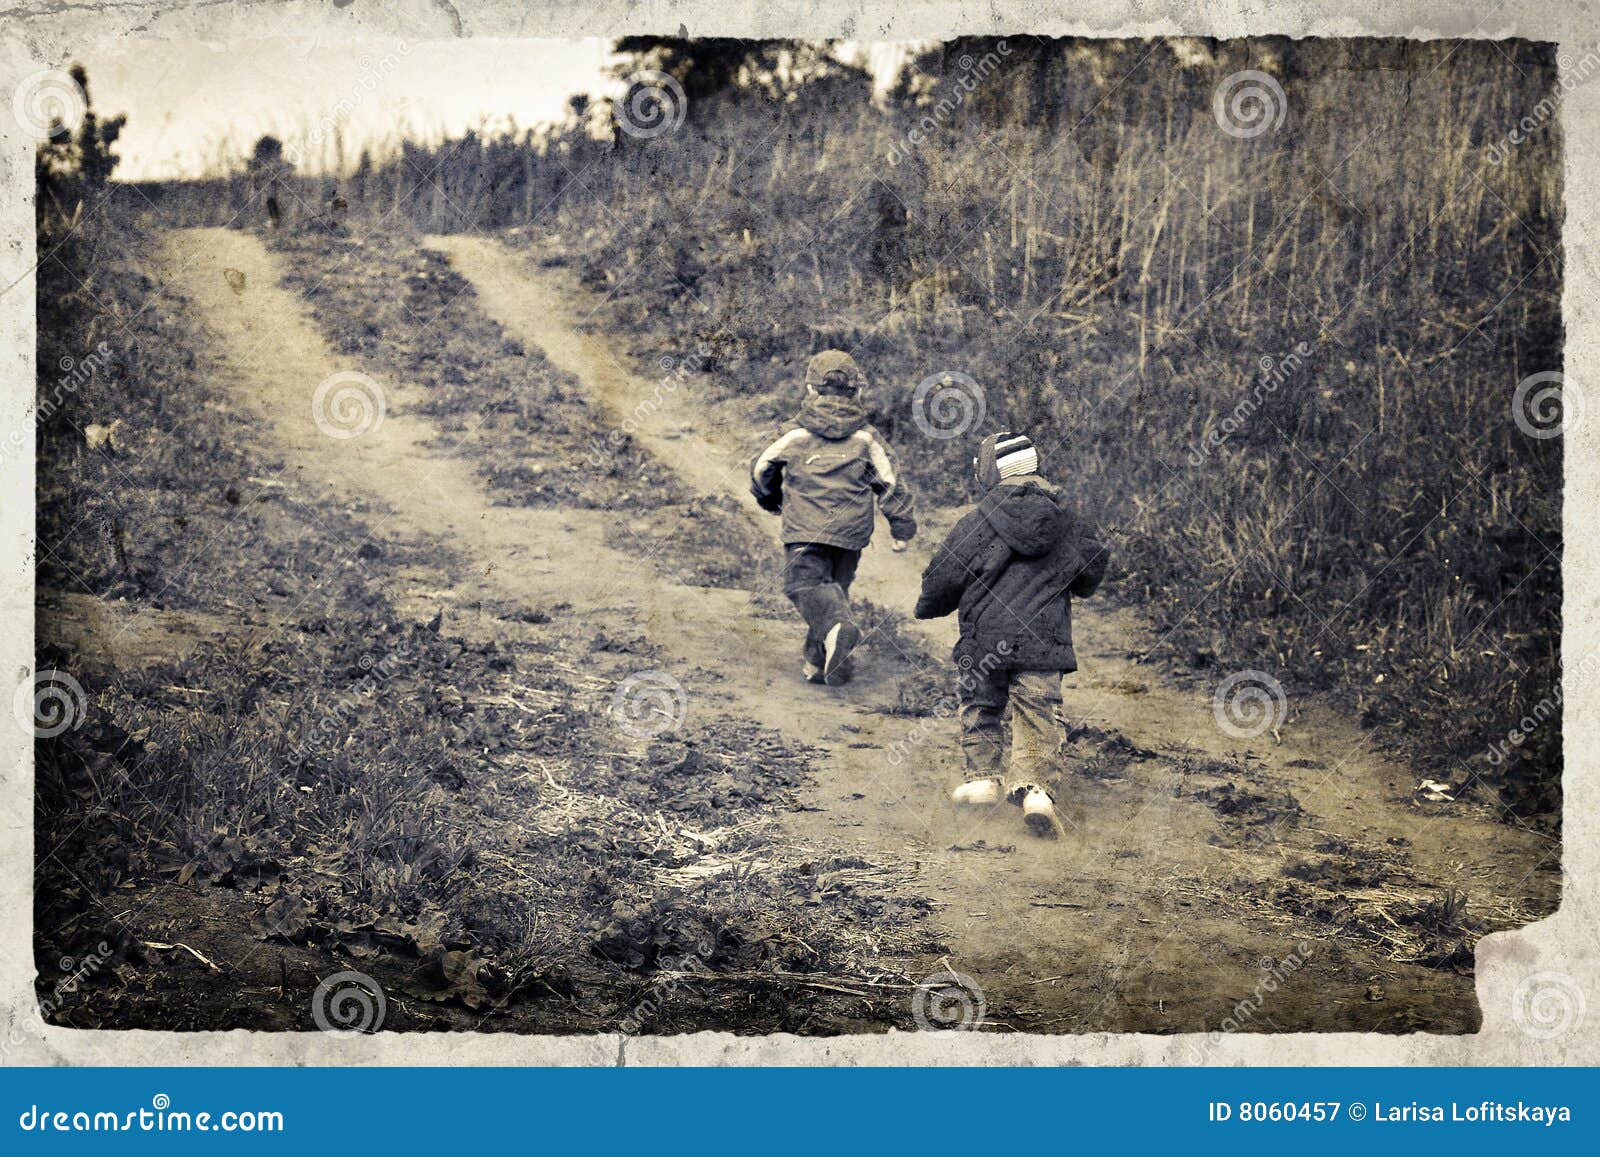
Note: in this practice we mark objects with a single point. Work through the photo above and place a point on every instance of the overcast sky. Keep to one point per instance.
(191, 105)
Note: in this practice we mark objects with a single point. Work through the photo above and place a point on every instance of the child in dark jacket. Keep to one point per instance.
(824, 475)
(1011, 568)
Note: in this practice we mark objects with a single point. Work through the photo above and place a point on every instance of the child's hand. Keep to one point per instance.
(899, 546)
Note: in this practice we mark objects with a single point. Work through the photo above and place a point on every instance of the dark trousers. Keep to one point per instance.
(817, 579)
(1036, 732)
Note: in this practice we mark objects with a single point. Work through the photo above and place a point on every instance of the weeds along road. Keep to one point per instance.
(1193, 861)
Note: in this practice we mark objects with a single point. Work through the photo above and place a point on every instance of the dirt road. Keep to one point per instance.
(1195, 865)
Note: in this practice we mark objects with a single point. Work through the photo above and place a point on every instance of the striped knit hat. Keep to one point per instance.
(1005, 456)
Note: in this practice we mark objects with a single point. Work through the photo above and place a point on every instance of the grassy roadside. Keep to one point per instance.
(445, 805)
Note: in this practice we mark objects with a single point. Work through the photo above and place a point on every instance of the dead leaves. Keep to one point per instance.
(288, 918)
(448, 970)
(236, 861)
(424, 936)
(448, 975)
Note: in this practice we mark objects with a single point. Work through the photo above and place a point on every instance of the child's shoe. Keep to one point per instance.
(814, 657)
(836, 648)
(1038, 811)
(978, 792)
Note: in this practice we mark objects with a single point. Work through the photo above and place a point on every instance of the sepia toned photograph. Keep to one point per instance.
(656, 534)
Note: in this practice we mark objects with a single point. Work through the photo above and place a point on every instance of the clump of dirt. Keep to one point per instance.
(1409, 922)
(1251, 810)
(1098, 754)
(1334, 909)
(1337, 874)
(1342, 864)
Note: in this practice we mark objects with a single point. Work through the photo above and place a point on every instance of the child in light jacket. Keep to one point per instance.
(825, 475)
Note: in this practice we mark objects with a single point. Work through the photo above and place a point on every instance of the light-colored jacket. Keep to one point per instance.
(824, 475)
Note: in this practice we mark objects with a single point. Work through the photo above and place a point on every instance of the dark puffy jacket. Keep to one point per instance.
(824, 474)
(1011, 566)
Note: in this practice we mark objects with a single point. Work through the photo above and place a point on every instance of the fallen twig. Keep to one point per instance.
(196, 953)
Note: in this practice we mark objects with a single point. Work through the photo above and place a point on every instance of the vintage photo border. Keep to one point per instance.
(42, 33)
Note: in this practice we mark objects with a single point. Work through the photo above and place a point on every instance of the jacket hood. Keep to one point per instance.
(833, 417)
(1025, 517)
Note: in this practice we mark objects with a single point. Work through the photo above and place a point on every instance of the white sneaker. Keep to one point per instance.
(836, 648)
(977, 793)
(1039, 813)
